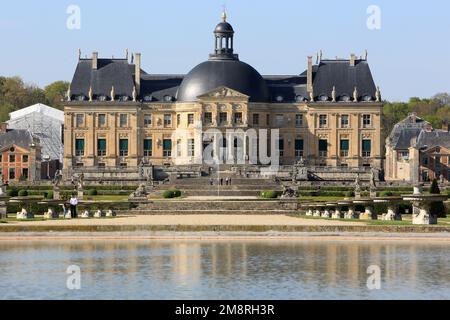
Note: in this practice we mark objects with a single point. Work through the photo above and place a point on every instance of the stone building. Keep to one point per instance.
(47, 124)
(398, 165)
(20, 155)
(119, 117)
(430, 156)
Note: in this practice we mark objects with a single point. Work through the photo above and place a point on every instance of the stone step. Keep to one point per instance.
(177, 205)
(209, 212)
(236, 181)
(225, 188)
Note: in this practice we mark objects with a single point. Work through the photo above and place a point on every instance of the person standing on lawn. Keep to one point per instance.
(73, 206)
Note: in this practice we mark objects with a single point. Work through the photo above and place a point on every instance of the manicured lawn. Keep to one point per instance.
(320, 199)
(107, 198)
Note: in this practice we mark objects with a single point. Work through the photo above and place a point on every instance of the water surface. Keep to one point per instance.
(224, 270)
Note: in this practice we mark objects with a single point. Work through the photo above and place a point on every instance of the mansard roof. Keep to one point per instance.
(405, 133)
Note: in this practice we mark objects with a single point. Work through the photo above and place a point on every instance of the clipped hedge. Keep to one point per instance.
(92, 192)
(269, 194)
(170, 194)
(386, 193)
(22, 193)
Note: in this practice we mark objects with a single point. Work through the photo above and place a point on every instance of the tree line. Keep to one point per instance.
(15, 94)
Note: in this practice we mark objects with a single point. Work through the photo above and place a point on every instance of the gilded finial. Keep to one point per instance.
(224, 15)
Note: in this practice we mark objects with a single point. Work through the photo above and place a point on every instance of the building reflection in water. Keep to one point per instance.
(189, 265)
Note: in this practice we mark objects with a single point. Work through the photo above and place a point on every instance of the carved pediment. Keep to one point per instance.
(223, 93)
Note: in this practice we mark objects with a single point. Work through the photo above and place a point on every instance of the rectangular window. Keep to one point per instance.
(323, 148)
(12, 158)
(191, 148)
(208, 118)
(425, 161)
(167, 148)
(79, 120)
(345, 147)
(238, 118)
(123, 147)
(101, 147)
(279, 120)
(299, 145)
(223, 118)
(167, 120)
(178, 120)
(79, 147)
(345, 121)
(101, 120)
(190, 119)
(123, 120)
(147, 120)
(323, 121)
(256, 119)
(25, 158)
(366, 148)
(299, 120)
(12, 173)
(24, 174)
(148, 148)
(102, 165)
(268, 119)
(1, 158)
(367, 121)
(281, 147)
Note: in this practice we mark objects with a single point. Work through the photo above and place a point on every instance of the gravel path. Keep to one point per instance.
(253, 220)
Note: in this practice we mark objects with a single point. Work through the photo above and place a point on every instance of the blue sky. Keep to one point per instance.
(409, 55)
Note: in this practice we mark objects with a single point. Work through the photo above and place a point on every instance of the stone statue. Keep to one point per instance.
(333, 94)
(311, 96)
(134, 94)
(289, 193)
(57, 180)
(357, 187)
(3, 185)
(355, 95)
(90, 94)
(373, 182)
(140, 192)
(378, 95)
(80, 182)
(113, 93)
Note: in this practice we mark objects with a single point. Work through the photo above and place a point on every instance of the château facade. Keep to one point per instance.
(118, 117)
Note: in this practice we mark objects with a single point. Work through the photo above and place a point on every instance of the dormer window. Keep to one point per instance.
(102, 98)
(323, 98)
(345, 98)
(279, 98)
(167, 98)
(124, 98)
(300, 98)
(148, 98)
(80, 98)
(367, 98)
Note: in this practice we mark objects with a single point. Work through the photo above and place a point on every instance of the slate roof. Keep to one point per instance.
(434, 138)
(405, 132)
(109, 73)
(120, 74)
(344, 77)
(20, 138)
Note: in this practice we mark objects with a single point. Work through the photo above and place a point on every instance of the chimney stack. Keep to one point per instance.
(352, 60)
(309, 85)
(94, 60)
(138, 73)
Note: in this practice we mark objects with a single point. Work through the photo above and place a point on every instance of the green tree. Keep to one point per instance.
(437, 208)
(55, 93)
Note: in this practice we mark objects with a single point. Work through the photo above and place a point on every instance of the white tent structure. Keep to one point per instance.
(44, 122)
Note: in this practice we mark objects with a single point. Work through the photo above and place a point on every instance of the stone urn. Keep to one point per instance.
(423, 204)
(393, 204)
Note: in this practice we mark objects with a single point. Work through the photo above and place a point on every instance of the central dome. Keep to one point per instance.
(233, 74)
(223, 69)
